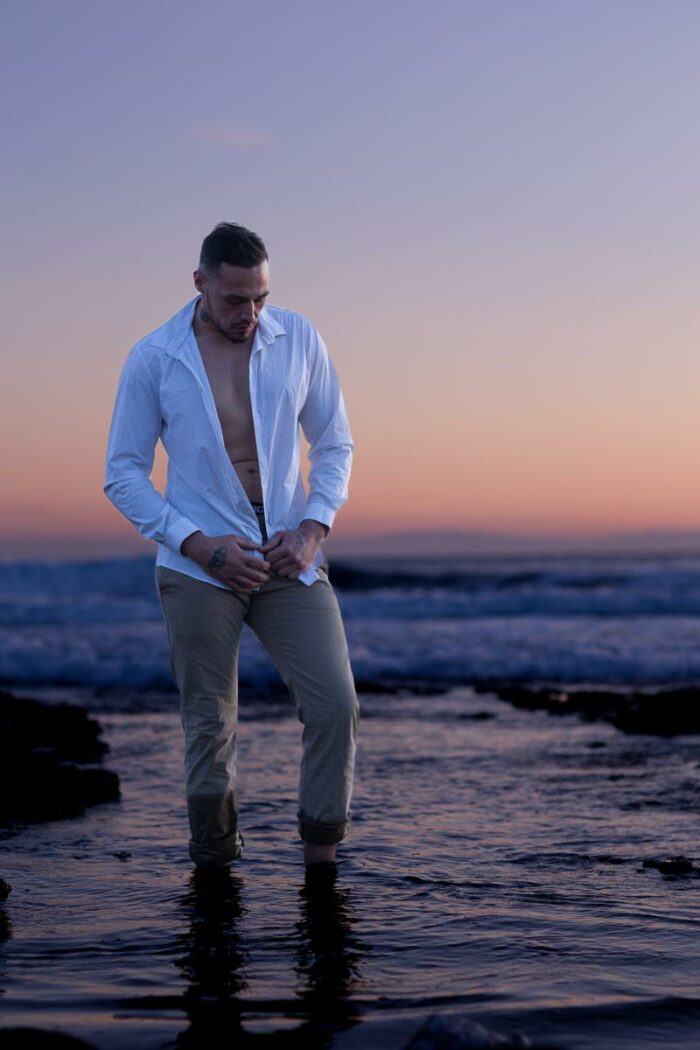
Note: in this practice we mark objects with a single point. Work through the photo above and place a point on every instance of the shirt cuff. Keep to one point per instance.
(177, 533)
(318, 512)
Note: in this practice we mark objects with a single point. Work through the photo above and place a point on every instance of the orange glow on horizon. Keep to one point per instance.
(499, 253)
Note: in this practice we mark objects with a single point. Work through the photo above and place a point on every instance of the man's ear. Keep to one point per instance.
(200, 280)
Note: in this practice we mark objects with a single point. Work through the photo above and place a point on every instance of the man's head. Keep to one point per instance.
(233, 280)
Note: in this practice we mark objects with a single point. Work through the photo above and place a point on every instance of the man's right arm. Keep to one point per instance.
(133, 435)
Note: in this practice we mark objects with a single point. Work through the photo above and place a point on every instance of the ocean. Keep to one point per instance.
(577, 619)
(505, 865)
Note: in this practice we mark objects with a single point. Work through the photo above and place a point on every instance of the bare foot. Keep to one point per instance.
(314, 852)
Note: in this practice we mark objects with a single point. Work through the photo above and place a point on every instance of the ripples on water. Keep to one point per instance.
(494, 869)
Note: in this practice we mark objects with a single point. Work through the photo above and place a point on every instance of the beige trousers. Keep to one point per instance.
(302, 630)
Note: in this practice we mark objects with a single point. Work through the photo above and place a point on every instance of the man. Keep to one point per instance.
(227, 384)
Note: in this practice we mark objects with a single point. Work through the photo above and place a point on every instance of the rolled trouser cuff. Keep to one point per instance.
(217, 852)
(322, 834)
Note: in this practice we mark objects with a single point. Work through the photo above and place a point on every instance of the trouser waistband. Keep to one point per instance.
(259, 509)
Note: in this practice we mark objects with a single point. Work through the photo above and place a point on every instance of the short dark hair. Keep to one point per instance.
(232, 244)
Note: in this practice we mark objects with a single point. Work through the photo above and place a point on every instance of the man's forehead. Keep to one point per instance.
(239, 280)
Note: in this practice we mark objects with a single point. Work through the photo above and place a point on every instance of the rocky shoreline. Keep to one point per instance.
(49, 755)
(657, 712)
(49, 762)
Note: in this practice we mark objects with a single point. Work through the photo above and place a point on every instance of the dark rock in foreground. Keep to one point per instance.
(5, 890)
(661, 712)
(453, 1032)
(673, 866)
(65, 730)
(43, 751)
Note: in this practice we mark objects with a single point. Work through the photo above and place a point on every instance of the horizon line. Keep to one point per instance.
(409, 543)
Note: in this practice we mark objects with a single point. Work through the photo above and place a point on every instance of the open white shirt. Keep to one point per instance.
(164, 393)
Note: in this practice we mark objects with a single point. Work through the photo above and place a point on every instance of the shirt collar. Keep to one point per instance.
(268, 327)
(174, 335)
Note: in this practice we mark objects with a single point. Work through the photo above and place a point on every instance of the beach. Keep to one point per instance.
(535, 873)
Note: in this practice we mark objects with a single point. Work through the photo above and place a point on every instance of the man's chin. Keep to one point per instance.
(238, 335)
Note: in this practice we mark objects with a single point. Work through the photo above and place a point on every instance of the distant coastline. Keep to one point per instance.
(408, 543)
(464, 543)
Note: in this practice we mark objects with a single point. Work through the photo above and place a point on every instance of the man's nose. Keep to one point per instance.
(248, 310)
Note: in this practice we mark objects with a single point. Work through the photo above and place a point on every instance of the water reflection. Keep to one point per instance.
(215, 962)
(328, 961)
(214, 959)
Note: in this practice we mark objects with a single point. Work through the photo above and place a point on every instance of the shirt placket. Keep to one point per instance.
(234, 488)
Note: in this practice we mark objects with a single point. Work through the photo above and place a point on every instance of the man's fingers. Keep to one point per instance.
(247, 581)
(252, 572)
(282, 553)
(256, 564)
(285, 565)
(246, 544)
(273, 541)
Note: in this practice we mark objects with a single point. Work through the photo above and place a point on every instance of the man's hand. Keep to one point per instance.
(224, 558)
(291, 551)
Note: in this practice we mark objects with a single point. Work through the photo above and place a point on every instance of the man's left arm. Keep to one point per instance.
(325, 425)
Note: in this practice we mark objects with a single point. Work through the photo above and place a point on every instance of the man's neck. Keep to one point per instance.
(206, 330)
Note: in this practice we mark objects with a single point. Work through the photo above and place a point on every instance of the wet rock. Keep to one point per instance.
(658, 712)
(40, 1039)
(44, 749)
(64, 730)
(667, 712)
(461, 1033)
(672, 865)
(5, 934)
(5, 890)
(401, 687)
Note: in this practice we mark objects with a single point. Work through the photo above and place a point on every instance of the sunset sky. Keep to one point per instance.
(489, 209)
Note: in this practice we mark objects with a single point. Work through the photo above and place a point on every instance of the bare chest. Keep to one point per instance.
(228, 375)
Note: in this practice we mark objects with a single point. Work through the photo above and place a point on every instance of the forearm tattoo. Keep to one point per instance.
(218, 558)
(301, 542)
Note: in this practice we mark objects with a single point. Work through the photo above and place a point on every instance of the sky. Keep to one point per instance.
(488, 208)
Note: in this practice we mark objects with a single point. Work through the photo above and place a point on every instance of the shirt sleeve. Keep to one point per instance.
(325, 425)
(133, 435)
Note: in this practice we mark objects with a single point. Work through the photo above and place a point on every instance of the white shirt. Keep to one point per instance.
(164, 393)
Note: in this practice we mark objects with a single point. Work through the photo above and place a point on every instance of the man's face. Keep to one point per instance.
(233, 298)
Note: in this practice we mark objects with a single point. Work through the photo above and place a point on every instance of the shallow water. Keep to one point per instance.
(494, 869)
